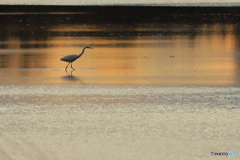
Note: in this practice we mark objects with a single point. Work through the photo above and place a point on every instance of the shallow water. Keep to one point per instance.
(148, 90)
(137, 53)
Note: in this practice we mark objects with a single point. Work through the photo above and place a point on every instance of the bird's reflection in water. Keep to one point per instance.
(70, 77)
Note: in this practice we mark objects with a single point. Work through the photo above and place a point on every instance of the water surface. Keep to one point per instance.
(154, 53)
(163, 85)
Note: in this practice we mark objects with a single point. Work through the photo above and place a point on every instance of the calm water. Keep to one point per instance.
(156, 86)
(136, 53)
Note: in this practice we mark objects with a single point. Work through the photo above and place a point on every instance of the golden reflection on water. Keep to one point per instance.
(207, 59)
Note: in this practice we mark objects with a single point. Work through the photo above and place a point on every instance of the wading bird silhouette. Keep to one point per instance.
(71, 58)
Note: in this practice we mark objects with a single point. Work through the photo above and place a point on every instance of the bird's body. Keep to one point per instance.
(71, 58)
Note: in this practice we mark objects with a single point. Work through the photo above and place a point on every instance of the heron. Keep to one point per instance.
(71, 58)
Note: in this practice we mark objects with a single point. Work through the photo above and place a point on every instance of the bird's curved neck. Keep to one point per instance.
(81, 53)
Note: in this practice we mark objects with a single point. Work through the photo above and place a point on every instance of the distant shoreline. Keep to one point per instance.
(121, 9)
(122, 14)
(179, 4)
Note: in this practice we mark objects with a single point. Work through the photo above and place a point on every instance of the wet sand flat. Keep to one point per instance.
(117, 122)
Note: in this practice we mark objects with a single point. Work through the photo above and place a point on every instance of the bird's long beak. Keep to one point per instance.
(90, 47)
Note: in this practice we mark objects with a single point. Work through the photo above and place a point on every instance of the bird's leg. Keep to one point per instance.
(72, 67)
(71, 73)
(67, 66)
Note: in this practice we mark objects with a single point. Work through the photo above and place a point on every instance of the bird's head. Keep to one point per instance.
(88, 47)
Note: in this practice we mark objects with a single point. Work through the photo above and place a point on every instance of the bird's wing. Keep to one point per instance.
(69, 57)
